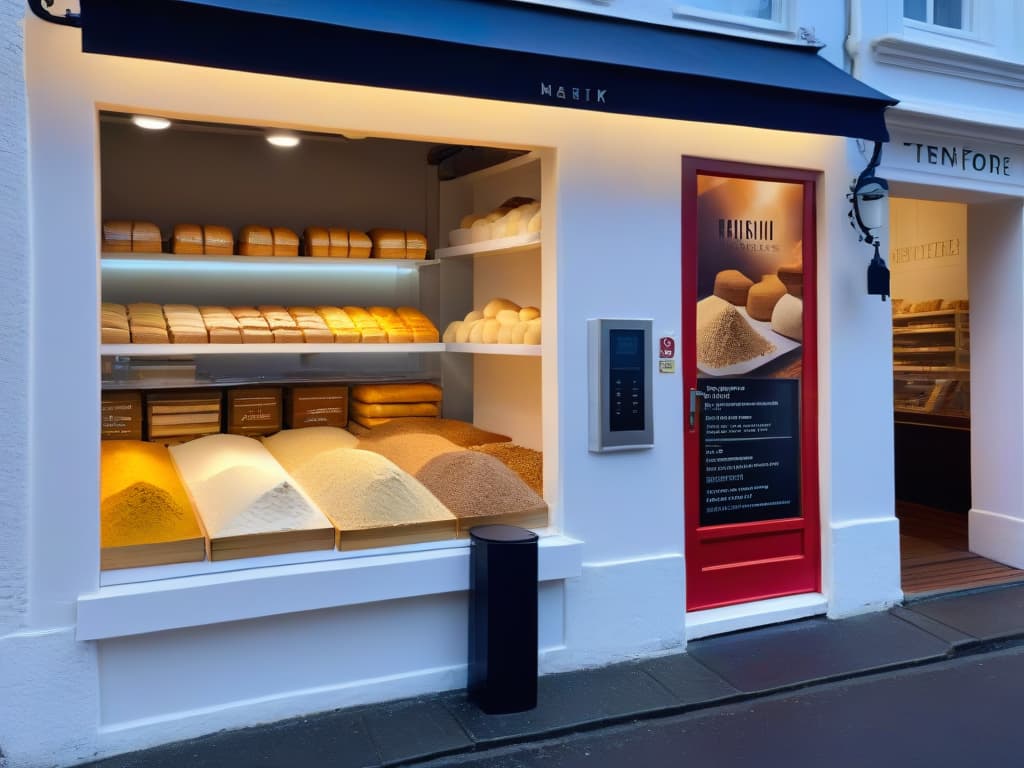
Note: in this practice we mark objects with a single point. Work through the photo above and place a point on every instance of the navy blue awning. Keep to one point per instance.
(495, 49)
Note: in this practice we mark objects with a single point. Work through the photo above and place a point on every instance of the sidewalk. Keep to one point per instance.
(713, 671)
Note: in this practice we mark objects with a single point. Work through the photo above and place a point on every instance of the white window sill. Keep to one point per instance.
(118, 610)
(943, 60)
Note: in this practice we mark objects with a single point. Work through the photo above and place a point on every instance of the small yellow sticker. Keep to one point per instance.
(666, 366)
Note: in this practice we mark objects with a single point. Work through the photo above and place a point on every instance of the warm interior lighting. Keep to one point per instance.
(283, 139)
(151, 123)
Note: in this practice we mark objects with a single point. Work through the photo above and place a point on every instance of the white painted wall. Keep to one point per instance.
(14, 276)
(612, 212)
(927, 249)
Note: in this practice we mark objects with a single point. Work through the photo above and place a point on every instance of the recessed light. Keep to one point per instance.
(283, 139)
(151, 123)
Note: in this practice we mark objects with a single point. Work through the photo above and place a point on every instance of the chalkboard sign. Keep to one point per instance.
(750, 450)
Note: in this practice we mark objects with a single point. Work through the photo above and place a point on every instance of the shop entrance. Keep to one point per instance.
(749, 357)
(945, 257)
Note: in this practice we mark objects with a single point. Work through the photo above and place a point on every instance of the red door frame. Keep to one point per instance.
(774, 571)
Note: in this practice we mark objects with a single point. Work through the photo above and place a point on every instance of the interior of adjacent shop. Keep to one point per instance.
(931, 397)
(313, 343)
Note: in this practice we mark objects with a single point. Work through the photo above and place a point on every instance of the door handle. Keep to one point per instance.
(696, 402)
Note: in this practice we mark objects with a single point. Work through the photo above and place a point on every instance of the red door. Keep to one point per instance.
(750, 383)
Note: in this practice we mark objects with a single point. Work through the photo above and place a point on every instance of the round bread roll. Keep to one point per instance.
(508, 316)
(491, 327)
(462, 334)
(532, 335)
(534, 224)
(529, 313)
(494, 215)
(468, 219)
(451, 333)
(494, 306)
(519, 332)
(472, 317)
(506, 333)
(476, 332)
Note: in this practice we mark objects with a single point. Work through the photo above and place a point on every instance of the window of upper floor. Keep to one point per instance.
(949, 14)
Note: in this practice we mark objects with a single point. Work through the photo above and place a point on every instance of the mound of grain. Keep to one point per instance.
(473, 484)
(142, 513)
(295, 447)
(411, 452)
(142, 498)
(724, 337)
(525, 462)
(462, 433)
(244, 500)
(359, 490)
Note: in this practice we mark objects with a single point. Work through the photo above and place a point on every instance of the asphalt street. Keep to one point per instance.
(964, 712)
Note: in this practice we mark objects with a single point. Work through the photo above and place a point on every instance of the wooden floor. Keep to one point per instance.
(934, 556)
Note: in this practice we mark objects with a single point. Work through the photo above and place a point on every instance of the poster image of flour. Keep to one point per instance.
(749, 276)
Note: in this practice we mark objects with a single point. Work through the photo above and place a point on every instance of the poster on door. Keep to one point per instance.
(749, 342)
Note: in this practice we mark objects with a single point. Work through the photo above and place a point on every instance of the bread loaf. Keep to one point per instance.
(396, 329)
(508, 316)
(792, 276)
(368, 326)
(286, 242)
(480, 231)
(415, 245)
(115, 336)
(146, 237)
(472, 317)
(117, 236)
(387, 243)
(256, 241)
(223, 335)
(338, 239)
(533, 334)
(316, 241)
(490, 331)
(257, 336)
(359, 245)
(518, 335)
(733, 286)
(423, 331)
(788, 317)
(187, 239)
(476, 332)
(529, 313)
(340, 324)
(399, 392)
(218, 241)
(763, 296)
(506, 333)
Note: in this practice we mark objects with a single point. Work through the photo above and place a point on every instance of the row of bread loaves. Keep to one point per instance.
(516, 216)
(501, 321)
(149, 323)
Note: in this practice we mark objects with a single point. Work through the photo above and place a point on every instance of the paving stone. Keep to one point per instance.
(568, 700)
(414, 729)
(689, 681)
(987, 615)
(815, 649)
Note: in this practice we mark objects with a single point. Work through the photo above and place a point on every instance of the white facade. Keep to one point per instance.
(958, 135)
(91, 669)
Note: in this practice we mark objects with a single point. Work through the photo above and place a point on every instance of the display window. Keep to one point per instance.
(313, 345)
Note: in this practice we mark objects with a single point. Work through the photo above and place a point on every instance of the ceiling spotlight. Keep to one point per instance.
(283, 139)
(151, 123)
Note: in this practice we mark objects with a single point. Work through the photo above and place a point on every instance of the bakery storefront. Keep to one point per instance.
(326, 292)
(956, 253)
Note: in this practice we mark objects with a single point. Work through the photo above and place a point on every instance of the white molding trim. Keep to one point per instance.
(901, 52)
(191, 601)
(996, 536)
(731, 618)
(936, 119)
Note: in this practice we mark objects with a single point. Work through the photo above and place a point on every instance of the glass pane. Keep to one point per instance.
(915, 9)
(757, 9)
(949, 13)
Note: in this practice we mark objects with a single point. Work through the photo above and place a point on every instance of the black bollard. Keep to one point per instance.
(503, 618)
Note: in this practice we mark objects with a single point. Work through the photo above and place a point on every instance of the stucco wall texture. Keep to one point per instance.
(14, 306)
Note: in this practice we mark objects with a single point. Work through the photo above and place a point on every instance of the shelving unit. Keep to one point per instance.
(931, 367)
(499, 247)
(516, 350)
(192, 350)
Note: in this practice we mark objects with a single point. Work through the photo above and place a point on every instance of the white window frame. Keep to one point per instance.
(972, 23)
(780, 23)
